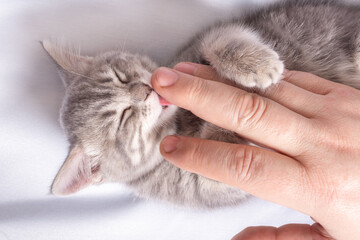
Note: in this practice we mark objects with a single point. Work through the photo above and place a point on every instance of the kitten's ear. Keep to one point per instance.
(76, 173)
(68, 61)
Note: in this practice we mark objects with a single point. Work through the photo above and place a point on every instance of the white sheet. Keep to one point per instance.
(33, 146)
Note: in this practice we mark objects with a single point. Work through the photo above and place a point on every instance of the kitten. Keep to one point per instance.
(115, 121)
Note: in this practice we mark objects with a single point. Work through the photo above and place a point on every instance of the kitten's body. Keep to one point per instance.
(322, 37)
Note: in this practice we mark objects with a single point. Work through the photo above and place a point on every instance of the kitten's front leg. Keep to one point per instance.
(238, 54)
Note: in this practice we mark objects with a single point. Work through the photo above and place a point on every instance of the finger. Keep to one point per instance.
(205, 72)
(287, 94)
(295, 98)
(256, 118)
(198, 70)
(309, 82)
(260, 172)
(286, 232)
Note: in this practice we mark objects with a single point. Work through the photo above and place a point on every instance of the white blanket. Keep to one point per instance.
(33, 146)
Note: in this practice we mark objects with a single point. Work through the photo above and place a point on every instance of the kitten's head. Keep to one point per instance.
(114, 120)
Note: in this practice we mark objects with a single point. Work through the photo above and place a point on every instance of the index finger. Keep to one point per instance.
(254, 117)
(202, 71)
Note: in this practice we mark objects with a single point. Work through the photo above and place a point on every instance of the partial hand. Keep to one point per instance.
(313, 126)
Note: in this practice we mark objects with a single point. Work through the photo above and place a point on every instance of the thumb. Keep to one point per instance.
(266, 174)
(286, 232)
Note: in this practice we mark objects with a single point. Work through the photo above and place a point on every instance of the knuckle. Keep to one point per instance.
(335, 139)
(290, 74)
(279, 90)
(293, 74)
(341, 99)
(197, 90)
(243, 163)
(198, 155)
(207, 72)
(249, 110)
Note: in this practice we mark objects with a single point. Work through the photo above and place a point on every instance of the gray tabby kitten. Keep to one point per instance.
(115, 121)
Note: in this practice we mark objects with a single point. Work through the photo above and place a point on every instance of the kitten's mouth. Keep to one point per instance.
(163, 102)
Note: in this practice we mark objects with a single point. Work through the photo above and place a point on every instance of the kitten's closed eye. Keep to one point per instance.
(105, 80)
(120, 76)
(125, 115)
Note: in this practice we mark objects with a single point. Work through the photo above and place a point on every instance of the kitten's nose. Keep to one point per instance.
(140, 91)
(148, 90)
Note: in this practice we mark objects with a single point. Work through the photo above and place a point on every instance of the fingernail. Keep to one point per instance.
(170, 143)
(166, 77)
(185, 68)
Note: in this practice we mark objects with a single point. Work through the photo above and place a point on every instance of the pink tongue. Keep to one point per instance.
(163, 102)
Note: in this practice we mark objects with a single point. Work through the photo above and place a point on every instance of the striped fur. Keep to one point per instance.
(114, 122)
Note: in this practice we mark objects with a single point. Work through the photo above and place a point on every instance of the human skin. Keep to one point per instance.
(310, 128)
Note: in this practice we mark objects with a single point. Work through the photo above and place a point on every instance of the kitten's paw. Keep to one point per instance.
(262, 76)
(237, 53)
(248, 65)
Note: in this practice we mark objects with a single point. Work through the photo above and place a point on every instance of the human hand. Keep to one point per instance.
(311, 123)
